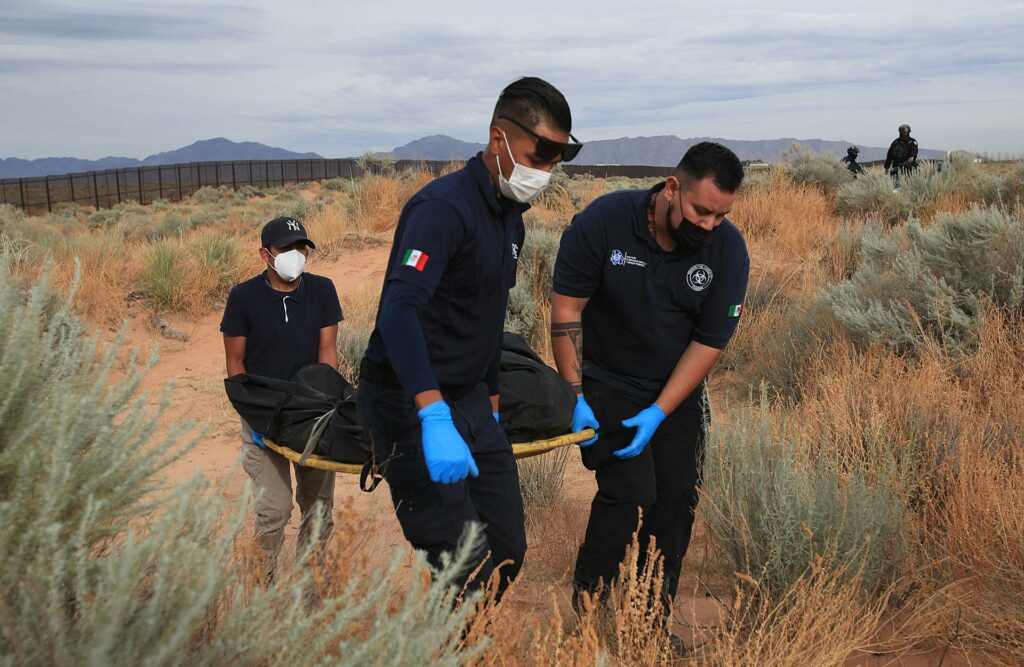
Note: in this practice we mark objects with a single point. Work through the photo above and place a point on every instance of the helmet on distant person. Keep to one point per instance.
(853, 150)
(904, 126)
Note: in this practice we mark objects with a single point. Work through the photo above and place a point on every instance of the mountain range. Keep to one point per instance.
(208, 150)
(656, 151)
(661, 151)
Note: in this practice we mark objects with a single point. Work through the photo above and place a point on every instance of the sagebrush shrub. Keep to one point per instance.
(825, 171)
(101, 562)
(776, 502)
(918, 285)
(871, 196)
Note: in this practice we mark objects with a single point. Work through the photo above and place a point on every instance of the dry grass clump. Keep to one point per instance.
(622, 625)
(377, 199)
(359, 307)
(822, 618)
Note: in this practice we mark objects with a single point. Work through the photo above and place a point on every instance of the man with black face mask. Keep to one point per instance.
(648, 289)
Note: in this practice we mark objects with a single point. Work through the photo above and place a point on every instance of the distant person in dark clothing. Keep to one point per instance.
(851, 161)
(902, 155)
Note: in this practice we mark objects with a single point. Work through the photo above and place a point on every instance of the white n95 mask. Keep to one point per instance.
(289, 265)
(525, 183)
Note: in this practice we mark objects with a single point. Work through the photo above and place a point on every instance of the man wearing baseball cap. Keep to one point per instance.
(274, 324)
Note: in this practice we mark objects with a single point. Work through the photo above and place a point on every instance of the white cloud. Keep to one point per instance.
(96, 78)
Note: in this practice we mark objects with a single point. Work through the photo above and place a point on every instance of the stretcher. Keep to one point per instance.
(521, 450)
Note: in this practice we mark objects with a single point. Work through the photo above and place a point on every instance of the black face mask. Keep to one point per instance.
(688, 236)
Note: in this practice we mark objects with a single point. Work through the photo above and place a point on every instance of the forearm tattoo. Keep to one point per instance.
(574, 332)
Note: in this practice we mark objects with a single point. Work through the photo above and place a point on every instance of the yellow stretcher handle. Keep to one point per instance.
(521, 450)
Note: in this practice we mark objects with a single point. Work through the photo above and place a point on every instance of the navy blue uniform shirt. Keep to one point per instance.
(646, 304)
(454, 258)
(281, 329)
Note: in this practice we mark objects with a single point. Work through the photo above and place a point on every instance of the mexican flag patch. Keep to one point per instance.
(417, 259)
(734, 311)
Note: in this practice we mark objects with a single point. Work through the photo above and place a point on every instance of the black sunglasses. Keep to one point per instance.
(547, 149)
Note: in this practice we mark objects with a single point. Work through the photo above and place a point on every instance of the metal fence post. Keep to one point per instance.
(71, 189)
(117, 179)
(49, 205)
(95, 191)
(178, 178)
(142, 198)
(234, 179)
(160, 179)
(21, 189)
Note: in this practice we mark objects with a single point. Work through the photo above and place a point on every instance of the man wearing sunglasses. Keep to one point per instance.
(648, 289)
(428, 386)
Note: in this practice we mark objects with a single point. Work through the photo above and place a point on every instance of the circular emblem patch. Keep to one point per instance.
(699, 277)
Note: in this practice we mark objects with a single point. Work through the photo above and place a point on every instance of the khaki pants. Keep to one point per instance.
(271, 475)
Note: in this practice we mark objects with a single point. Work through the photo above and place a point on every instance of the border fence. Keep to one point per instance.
(174, 182)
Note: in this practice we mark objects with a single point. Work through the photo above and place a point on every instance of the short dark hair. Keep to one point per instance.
(529, 99)
(711, 159)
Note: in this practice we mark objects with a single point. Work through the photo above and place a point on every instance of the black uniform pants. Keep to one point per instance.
(432, 515)
(661, 481)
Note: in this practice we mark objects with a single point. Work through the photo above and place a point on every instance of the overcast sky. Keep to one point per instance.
(90, 79)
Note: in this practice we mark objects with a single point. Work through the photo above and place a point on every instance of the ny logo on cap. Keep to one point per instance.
(293, 225)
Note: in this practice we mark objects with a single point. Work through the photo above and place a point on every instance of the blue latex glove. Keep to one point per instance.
(257, 439)
(583, 417)
(646, 422)
(448, 457)
(497, 417)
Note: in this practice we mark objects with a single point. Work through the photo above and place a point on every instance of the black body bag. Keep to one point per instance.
(315, 411)
(536, 403)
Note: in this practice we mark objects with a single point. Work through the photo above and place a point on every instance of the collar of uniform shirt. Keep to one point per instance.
(274, 295)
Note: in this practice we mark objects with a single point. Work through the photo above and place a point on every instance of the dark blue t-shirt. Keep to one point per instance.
(459, 243)
(646, 305)
(281, 329)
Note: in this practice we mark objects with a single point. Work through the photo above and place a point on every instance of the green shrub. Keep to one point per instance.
(163, 277)
(773, 508)
(533, 286)
(301, 209)
(102, 563)
(337, 184)
(173, 225)
(104, 217)
(754, 180)
(871, 196)
(522, 315)
(219, 255)
(1006, 191)
(210, 195)
(208, 215)
(918, 285)
(825, 171)
(246, 192)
